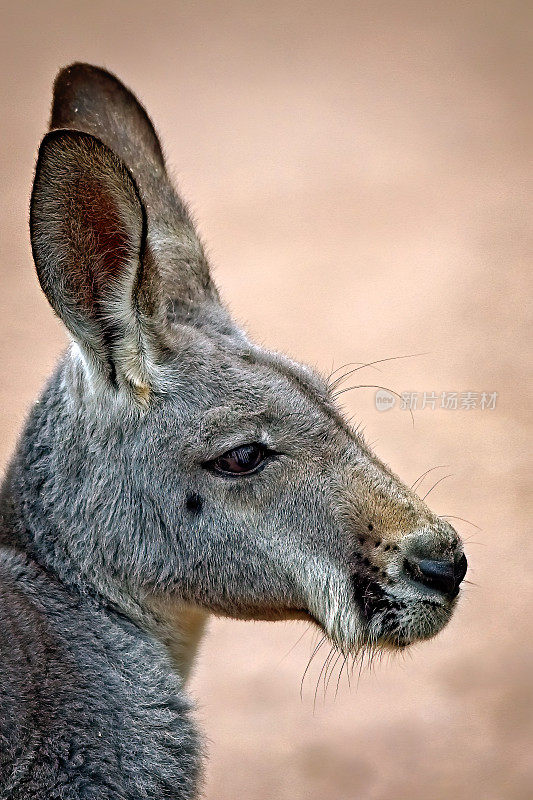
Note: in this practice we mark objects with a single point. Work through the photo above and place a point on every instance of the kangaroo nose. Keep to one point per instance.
(444, 576)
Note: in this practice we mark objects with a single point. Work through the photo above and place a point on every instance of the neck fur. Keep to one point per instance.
(180, 627)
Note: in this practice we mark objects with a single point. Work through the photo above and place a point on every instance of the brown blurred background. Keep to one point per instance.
(359, 173)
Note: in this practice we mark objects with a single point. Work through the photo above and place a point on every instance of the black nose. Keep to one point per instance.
(444, 576)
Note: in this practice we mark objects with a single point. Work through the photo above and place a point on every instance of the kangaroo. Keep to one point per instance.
(170, 470)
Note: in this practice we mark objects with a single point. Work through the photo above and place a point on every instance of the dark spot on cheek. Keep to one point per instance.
(370, 526)
(194, 503)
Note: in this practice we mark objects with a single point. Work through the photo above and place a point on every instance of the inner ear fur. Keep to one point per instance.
(88, 229)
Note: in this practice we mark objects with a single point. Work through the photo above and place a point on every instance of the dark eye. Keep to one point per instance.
(239, 461)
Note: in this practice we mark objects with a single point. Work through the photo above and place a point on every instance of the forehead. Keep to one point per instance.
(222, 369)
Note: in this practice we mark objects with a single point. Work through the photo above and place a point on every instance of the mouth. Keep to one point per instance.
(376, 617)
(396, 618)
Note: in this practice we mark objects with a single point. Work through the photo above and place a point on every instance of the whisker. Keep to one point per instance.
(332, 670)
(313, 654)
(439, 466)
(361, 664)
(296, 643)
(325, 664)
(360, 365)
(436, 484)
(344, 663)
(331, 665)
(373, 386)
(450, 516)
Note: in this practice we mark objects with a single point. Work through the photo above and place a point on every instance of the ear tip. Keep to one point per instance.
(73, 87)
(80, 70)
(90, 98)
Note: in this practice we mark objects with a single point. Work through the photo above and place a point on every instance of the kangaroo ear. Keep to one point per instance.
(88, 227)
(175, 269)
(90, 99)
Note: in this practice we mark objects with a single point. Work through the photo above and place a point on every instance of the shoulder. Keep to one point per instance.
(26, 647)
(86, 693)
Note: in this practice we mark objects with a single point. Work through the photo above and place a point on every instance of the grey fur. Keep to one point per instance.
(116, 540)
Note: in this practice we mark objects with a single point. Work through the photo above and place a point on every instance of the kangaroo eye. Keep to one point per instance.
(239, 461)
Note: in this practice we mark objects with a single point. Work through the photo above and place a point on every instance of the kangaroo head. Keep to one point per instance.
(189, 462)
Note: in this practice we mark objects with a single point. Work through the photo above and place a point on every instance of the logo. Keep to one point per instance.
(384, 400)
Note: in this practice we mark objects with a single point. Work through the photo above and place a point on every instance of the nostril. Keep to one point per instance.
(443, 576)
(461, 567)
(438, 575)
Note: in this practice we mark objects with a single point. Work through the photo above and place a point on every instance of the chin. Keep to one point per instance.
(408, 623)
